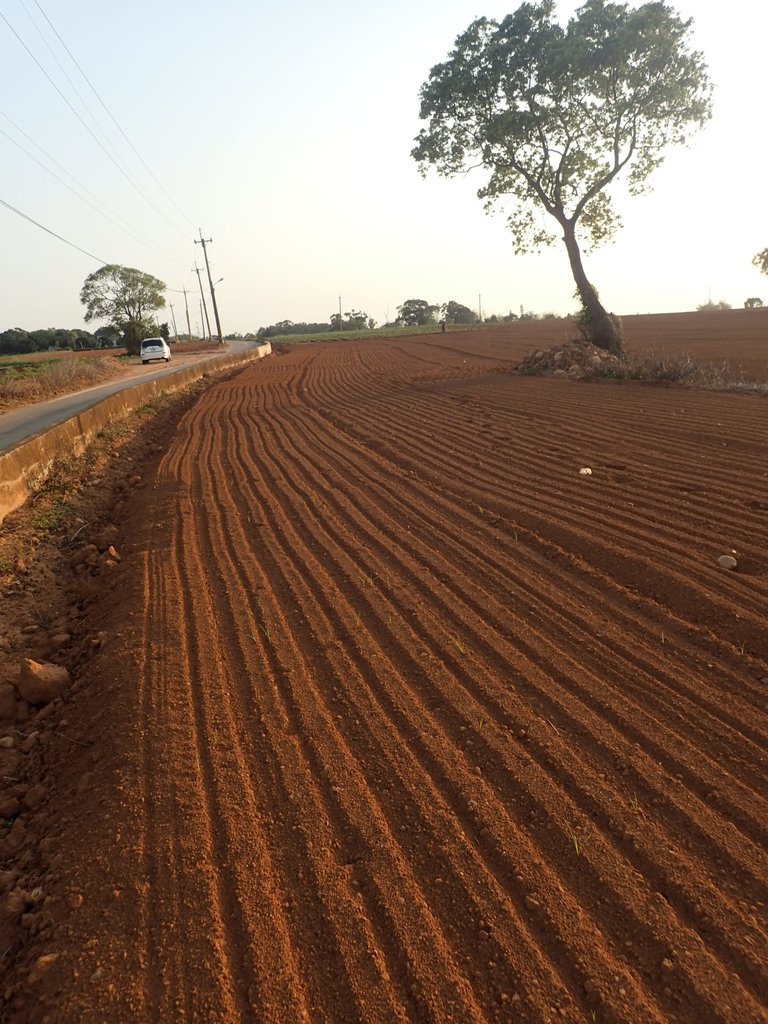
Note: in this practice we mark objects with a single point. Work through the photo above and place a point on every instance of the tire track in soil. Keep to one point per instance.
(410, 748)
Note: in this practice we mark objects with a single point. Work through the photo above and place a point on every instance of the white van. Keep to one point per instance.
(155, 348)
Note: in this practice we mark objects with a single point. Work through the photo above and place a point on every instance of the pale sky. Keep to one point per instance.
(284, 131)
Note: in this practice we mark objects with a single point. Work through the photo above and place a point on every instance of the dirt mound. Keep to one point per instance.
(575, 359)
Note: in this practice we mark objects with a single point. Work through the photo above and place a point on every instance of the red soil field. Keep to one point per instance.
(402, 718)
(737, 338)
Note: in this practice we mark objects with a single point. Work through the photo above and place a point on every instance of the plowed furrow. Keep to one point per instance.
(715, 832)
(462, 550)
(412, 723)
(268, 979)
(299, 516)
(311, 907)
(430, 727)
(639, 562)
(724, 494)
(434, 511)
(353, 811)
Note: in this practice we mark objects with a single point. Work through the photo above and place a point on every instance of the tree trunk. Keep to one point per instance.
(598, 325)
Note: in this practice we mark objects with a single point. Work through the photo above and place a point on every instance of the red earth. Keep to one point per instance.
(396, 715)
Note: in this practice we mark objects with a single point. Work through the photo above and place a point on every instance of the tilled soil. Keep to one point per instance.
(398, 716)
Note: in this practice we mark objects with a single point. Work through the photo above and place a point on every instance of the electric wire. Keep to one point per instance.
(56, 163)
(82, 198)
(87, 127)
(60, 66)
(112, 117)
(61, 238)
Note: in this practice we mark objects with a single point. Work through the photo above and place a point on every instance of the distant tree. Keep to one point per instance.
(760, 260)
(43, 338)
(713, 305)
(126, 298)
(454, 313)
(416, 313)
(107, 337)
(355, 320)
(165, 332)
(63, 338)
(753, 303)
(15, 341)
(555, 114)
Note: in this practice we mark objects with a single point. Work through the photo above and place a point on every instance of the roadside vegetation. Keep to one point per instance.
(23, 381)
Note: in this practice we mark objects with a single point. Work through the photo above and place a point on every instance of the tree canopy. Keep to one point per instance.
(555, 114)
(126, 298)
(455, 313)
(760, 260)
(416, 313)
(354, 320)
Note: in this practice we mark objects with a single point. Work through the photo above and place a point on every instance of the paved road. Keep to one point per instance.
(27, 422)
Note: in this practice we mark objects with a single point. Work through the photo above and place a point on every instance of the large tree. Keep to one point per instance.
(126, 298)
(416, 313)
(555, 114)
(455, 313)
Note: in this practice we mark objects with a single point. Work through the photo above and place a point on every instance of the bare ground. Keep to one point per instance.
(389, 713)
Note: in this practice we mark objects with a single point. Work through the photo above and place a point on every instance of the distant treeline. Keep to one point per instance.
(19, 342)
(289, 327)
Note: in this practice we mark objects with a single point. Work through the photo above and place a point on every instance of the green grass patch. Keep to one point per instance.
(53, 516)
(23, 371)
(362, 335)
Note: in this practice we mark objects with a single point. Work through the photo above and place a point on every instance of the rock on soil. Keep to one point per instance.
(41, 682)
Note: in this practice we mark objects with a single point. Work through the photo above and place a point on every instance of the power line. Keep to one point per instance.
(56, 163)
(50, 232)
(106, 216)
(111, 116)
(60, 66)
(93, 135)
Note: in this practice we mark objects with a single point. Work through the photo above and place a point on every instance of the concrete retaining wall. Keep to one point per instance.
(27, 465)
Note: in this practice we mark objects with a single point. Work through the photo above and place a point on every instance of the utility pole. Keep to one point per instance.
(210, 284)
(341, 322)
(200, 311)
(173, 317)
(202, 296)
(480, 308)
(186, 307)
